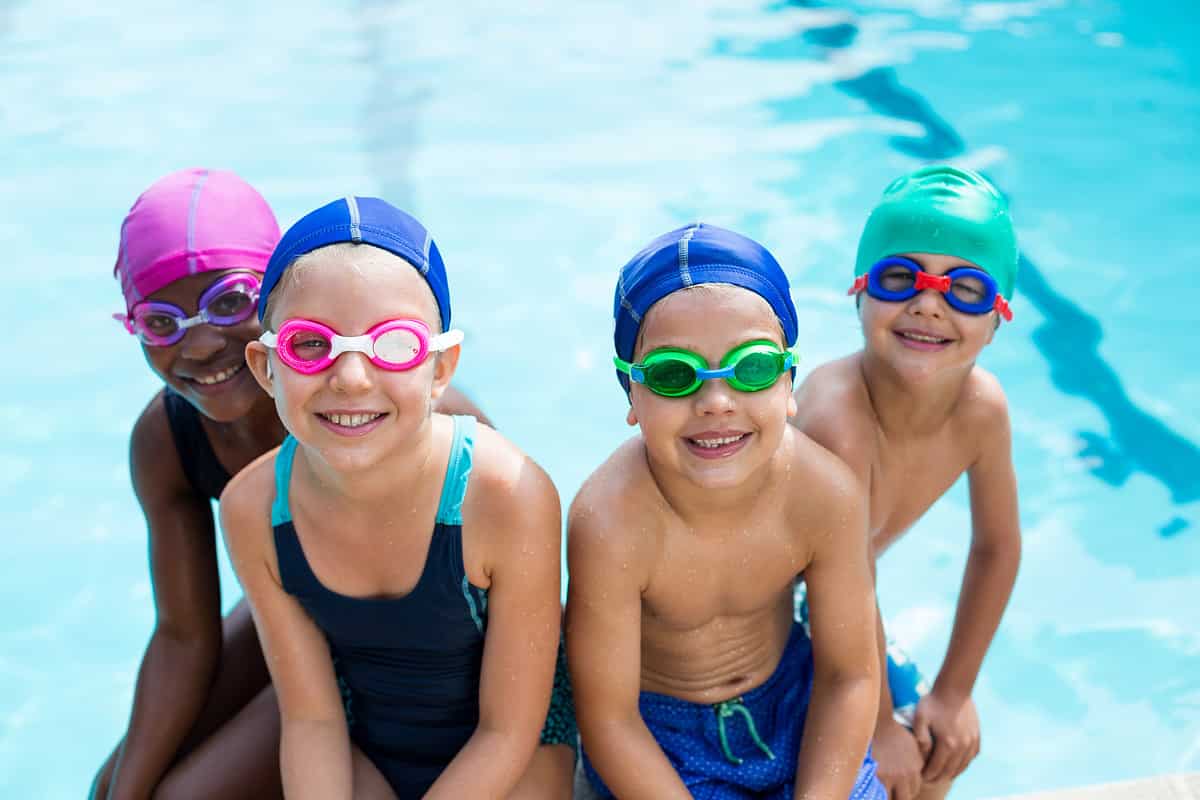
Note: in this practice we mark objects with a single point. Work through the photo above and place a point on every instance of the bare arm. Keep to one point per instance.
(453, 402)
(315, 754)
(185, 646)
(842, 614)
(988, 581)
(524, 544)
(604, 607)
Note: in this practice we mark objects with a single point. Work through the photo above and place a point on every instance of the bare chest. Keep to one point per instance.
(736, 571)
(906, 480)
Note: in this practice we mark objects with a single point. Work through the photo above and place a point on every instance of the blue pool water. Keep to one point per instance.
(543, 146)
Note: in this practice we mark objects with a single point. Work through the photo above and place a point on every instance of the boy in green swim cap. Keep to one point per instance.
(910, 413)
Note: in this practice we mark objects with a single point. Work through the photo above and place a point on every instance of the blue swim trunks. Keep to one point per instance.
(746, 747)
(905, 680)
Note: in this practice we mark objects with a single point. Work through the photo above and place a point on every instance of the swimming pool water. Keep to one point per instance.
(544, 145)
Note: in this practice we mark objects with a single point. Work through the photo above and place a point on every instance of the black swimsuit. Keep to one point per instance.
(200, 464)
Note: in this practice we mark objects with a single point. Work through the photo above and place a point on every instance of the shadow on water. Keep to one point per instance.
(1068, 337)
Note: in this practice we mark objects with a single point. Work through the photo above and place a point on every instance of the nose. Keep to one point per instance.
(351, 373)
(714, 398)
(928, 303)
(202, 343)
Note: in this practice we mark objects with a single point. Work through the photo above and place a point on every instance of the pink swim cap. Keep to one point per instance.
(191, 221)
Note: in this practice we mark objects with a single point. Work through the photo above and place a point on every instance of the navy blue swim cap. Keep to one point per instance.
(362, 220)
(690, 256)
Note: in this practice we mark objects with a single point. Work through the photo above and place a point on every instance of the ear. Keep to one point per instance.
(792, 407)
(258, 358)
(444, 365)
(631, 417)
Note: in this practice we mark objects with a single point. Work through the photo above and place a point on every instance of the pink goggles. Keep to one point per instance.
(396, 345)
(228, 301)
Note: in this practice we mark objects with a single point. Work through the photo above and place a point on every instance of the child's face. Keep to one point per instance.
(353, 412)
(923, 335)
(207, 366)
(718, 436)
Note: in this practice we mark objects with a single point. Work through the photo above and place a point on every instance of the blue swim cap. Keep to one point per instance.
(363, 220)
(689, 256)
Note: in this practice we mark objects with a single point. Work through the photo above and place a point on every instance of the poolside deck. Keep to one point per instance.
(1166, 787)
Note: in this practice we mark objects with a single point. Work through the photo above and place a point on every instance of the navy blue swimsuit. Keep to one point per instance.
(204, 471)
(408, 666)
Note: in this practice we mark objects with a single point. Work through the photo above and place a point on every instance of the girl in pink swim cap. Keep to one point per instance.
(204, 722)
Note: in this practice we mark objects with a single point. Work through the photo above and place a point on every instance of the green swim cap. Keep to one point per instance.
(947, 211)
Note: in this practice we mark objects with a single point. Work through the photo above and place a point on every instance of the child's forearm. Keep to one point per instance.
(172, 683)
(316, 760)
(883, 712)
(837, 731)
(488, 765)
(630, 762)
(988, 581)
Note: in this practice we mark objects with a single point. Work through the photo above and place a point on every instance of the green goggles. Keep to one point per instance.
(674, 372)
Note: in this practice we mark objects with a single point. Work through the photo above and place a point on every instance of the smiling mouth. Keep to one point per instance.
(219, 377)
(924, 338)
(716, 444)
(351, 420)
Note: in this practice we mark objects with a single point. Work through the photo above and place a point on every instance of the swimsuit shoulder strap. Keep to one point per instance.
(458, 471)
(281, 511)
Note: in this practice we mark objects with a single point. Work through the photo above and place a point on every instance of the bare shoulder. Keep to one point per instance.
(246, 503)
(983, 412)
(153, 459)
(614, 509)
(834, 410)
(505, 483)
(819, 483)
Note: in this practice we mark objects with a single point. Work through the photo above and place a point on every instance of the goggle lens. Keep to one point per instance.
(671, 376)
(758, 369)
(397, 346)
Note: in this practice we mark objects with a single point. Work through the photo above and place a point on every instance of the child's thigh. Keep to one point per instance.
(239, 760)
(549, 775)
(369, 783)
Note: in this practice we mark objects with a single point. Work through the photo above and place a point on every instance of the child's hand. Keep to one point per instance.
(899, 760)
(947, 731)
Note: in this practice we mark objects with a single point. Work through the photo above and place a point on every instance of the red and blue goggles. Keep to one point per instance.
(967, 289)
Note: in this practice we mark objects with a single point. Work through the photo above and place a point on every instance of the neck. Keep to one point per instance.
(905, 407)
(403, 473)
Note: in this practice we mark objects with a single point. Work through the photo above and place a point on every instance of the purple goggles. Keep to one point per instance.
(228, 301)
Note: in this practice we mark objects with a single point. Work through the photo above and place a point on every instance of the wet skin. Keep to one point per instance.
(910, 414)
(684, 546)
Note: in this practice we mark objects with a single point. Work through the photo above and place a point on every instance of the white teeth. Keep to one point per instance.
(352, 420)
(223, 375)
(923, 338)
(715, 443)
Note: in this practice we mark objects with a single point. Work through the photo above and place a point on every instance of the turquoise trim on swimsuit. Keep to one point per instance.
(281, 511)
(458, 470)
(474, 608)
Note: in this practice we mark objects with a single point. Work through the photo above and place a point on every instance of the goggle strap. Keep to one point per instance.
(859, 286)
(269, 339)
(1001, 305)
(444, 341)
(125, 321)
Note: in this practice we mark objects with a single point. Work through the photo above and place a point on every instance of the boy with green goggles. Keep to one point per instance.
(675, 372)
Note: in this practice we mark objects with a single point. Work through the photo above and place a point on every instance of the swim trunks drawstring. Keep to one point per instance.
(727, 709)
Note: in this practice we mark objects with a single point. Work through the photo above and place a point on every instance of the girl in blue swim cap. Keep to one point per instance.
(403, 565)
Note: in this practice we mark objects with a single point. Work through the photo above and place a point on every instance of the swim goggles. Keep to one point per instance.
(674, 372)
(228, 301)
(396, 345)
(967, 289)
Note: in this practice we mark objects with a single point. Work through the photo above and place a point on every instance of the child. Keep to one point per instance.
(402, 566)
(192, 252)
(691, 678)
(909, 414)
